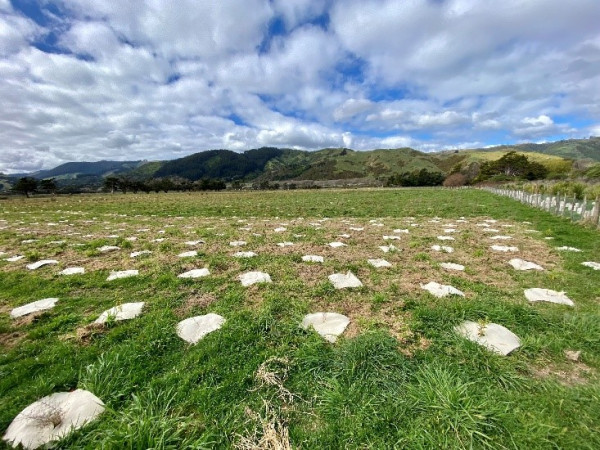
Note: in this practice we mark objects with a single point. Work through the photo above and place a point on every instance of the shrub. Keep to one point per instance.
(455, 180)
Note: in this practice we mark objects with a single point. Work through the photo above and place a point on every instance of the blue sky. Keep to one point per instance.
(85, 80)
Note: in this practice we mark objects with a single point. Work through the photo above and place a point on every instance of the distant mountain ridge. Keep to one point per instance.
(96, 168)
(575, 149)
(278, 164)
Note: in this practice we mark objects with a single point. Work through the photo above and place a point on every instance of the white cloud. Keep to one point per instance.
(351, 108)
(540, 121)
(15, 31)
(187, 29)
(594, 130)
(300, 137)
(154, 80)
(532, 126)
(295, 12)
(91, 38)
(120, 140)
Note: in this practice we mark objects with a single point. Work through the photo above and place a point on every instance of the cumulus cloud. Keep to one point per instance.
(15, 31)
(531, 127)
(150, 80)
(351, 108)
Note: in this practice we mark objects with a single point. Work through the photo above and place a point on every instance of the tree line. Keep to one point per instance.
(162, 184)
(511, 166)
(28, 185)
(421, 177)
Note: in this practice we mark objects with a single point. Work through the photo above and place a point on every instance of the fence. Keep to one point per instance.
(561, 204)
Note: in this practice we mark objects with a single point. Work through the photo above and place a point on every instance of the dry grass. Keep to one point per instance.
(573, 374)
(48, 414)
(271, 433)
(412, 265)
(11, 339)
(84, 335)
(273, 372)
(192, 303)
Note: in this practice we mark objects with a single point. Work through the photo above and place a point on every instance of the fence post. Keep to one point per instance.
(596, 214)
(557, 203)
(573, 207)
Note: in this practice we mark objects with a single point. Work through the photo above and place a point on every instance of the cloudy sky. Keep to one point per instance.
(85, 80)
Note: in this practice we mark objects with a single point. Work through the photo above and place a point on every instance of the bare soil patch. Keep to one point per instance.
(190, 304)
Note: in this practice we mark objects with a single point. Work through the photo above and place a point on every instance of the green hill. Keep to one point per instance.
(275, 164)
(575, 149)
(97, 168)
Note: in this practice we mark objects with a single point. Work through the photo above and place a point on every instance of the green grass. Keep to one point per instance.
(398, 378)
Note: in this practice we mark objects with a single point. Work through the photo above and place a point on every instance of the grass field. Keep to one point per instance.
(399, 377)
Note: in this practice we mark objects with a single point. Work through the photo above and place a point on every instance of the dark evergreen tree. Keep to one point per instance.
(26, 185)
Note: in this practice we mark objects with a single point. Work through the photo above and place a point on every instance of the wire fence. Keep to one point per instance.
(563, 205)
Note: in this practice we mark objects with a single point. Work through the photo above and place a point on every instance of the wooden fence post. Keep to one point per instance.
(596, 214)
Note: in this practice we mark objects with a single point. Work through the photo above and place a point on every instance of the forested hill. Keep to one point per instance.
(575, 149)
(277, 164)
(97, 168)
(224, 164)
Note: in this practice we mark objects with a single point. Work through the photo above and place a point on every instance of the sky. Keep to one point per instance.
(87, 80)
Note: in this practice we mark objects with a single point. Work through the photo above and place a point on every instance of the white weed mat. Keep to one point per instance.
(195, 273)
(312, 258)
(250, 278)
(452, 266)
(42, 263)
(521, 264)
(195, 328)
(379, 263)
(33, 307)
(140, 253)
(347, 280)
(504, 248)
(244, 255)
(115, 275)
(327, 324)
(492, 336)
(547, 295)
(73, 271)
(442, 248)
(52, 418)
(189, 254)
(441, 290)
(126, 311)
(194, 243)
(108, 248)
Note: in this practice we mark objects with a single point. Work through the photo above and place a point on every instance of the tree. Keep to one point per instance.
(48, 185)
(125, 184)
(455, 180)
(166, 184)
(26, 185)
(512, 165)
(111, 184)
(421, 177)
